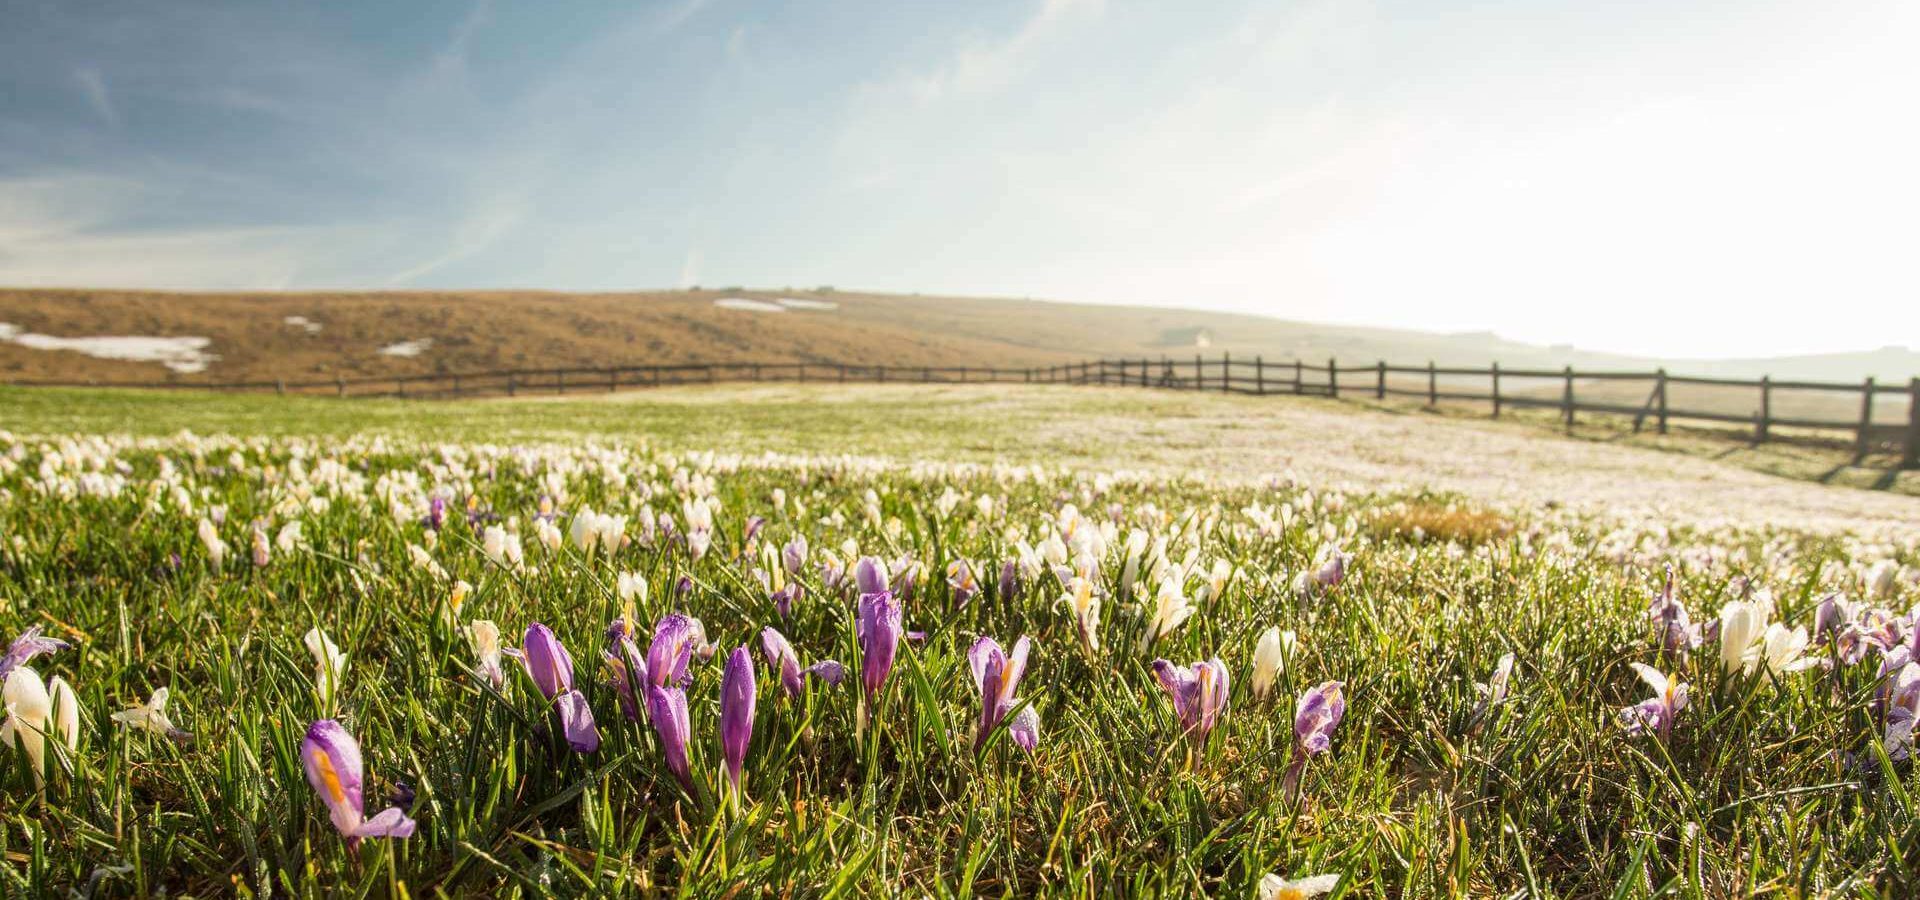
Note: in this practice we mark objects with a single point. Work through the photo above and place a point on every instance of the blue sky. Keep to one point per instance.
(1679, 177)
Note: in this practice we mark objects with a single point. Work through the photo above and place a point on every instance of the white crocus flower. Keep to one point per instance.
(485, 636)
(501, 547)
(1742, 624)
(216, 548)
(329, 664)
(1136, 548)
(1781, 651)
(1270, 656)
(36, 710)
(1170, 610)
(1081, 600)
(290, 537)
(151, 716)
(631, 587)
(1274, 887)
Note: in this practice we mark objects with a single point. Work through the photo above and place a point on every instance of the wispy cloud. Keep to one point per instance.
(93, 87)
(480, 229)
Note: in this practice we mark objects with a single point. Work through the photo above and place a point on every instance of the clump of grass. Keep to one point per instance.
(1446, 521)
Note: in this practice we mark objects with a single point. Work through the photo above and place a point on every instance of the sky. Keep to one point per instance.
(1670, 177)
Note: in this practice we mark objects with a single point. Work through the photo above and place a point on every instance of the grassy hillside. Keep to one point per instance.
(259, 336)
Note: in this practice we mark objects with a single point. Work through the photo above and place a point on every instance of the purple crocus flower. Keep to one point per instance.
(877, 625)
(870, 576)
(754, 524)
(667, 707)
(785, 663)
(1677, 631)
(784, 597)
(1832, 616)
(736, 712)
(906, 570)
(675, 638)
(1315, 715)
(547, 661)
(1009, 578)
(963, 581)
(627, 673)
(1199, 694)
(551, 668)
(996, 674)
(332, 759)
(25, 647)
(794, 554)
(1655, 714)
(436, 513)
(1334, 571)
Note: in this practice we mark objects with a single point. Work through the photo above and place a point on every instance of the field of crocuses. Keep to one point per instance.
(300, 666)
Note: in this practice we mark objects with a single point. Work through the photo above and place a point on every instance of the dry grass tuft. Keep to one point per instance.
(1451, 521)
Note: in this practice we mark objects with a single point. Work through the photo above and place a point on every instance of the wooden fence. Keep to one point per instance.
(1501, 389)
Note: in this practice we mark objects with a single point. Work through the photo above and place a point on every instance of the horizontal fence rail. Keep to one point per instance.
(1499, 388)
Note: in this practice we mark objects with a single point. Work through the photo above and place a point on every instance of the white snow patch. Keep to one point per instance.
(303, 323)
(745, 305)
(181, 354)
(407, 348)
(795, 303)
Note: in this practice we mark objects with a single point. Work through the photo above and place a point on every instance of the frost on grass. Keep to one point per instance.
(804, 671)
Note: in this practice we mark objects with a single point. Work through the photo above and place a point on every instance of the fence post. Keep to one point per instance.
(1660, 399)
(1299, 377)
(340, 385)
(1866, 416)
(1333, 378)
(456, 385)
(1260, 376)
(400, 388)
(1911, 459)
(1380, 387)
(280, 385)
(1226, 371)
(1566, 400)
(843, 373)
(710, 372)
(510, 384)
(1766, 409)
(1433, 386)
(1496, 389)
(559, 381)
(1198, 379)
(613, 379)
(800, 373)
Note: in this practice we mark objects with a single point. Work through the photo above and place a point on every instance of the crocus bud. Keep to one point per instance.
(547, 661)
(736, 712)
(878, 628)
(1269, 658)
(667, 707)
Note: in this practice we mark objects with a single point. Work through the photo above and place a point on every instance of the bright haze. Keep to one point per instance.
(1643, 176)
